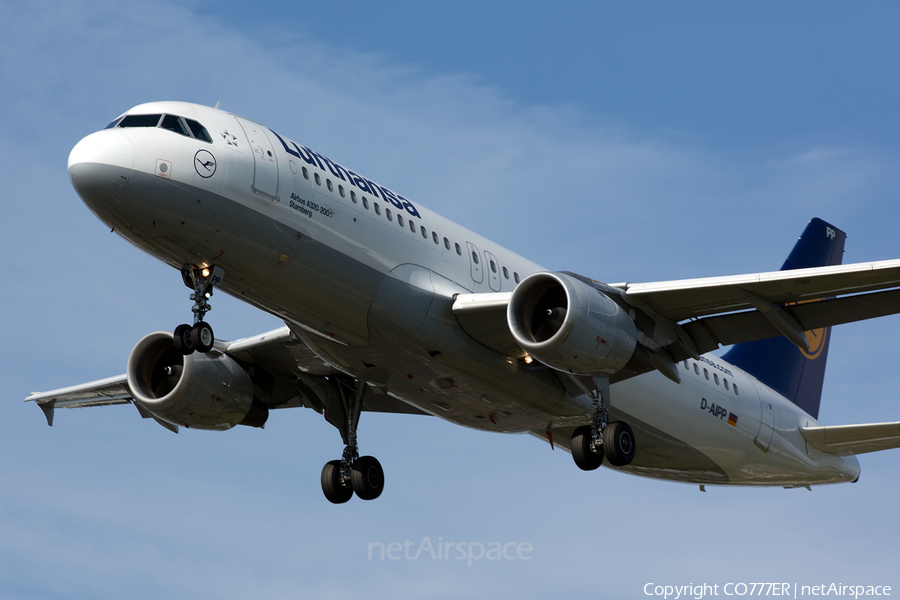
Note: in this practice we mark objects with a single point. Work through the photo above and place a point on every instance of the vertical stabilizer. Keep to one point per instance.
(777, 362)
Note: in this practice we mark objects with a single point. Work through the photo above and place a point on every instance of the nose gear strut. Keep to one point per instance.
(198, 337)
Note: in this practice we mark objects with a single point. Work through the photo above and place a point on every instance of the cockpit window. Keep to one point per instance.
(140, 121)
(199, 131)
(173, 123)
(180, 125)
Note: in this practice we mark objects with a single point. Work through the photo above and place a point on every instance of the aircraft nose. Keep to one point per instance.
(100, 166)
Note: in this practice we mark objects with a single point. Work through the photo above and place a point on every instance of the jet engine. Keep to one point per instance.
(570, 326)
(199, 391)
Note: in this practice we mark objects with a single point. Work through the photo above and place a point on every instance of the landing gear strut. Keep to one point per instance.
(353, 473)
(590, 443)
(198, 337)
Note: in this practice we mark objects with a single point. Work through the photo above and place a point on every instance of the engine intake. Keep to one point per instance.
(570, 326)
(200, 391)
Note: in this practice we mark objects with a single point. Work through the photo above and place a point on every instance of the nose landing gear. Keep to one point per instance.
(198, 337)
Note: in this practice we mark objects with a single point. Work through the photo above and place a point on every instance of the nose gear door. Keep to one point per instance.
(265, 172)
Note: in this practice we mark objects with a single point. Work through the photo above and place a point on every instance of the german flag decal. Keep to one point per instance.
(732, 419)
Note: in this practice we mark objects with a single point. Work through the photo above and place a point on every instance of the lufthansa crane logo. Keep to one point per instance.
(816, 340)
(205, 163)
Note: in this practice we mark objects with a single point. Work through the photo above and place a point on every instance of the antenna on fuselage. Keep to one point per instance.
(218, 103)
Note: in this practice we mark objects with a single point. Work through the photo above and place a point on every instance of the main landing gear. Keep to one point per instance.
(198, 337)
(615, 441)
(353, 473)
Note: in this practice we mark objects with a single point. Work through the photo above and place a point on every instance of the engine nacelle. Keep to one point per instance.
(199, 391)
(570, 326)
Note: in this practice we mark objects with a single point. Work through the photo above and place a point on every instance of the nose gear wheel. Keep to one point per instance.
(198, 337)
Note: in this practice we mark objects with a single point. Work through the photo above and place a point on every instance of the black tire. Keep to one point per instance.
(334, 490)
(367, 477)
(585, 458)
(183, 340)
(618, 444)
(202, 337)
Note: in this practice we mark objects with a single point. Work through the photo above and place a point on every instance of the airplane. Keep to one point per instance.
(390, 307)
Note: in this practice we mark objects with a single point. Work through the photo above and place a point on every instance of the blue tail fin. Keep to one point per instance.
(777, 362)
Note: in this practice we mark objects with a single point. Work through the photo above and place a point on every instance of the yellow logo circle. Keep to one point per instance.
(816, 341)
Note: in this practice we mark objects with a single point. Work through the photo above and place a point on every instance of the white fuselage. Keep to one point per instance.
(367, 277)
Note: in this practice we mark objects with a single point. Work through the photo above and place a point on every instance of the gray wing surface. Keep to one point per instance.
(297, 372)
(721, 311)
(695, 316)
(692, 298)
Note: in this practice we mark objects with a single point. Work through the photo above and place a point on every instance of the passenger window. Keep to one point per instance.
(328, 183)
(399, 217)
(353, 196)
(140, 121)
(725, 382)
(446, 243)
(493, 267)
(377, 209)
(686, 365)
(505, 273)
(716, 378)
(516, 276)
(736, 392)
(475, 257)
(696, 369)
(434, 236)
(341, 191)
(412, 226)
(199, 131)
(387, 213)
(458, 249)
(365, 203)
(318, 179)
(173, 123)
(305, 173)
(424, 233)
(706, 373)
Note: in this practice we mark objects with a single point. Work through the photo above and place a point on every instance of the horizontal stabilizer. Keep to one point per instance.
(853, 439)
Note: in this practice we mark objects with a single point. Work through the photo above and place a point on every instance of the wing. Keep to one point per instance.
(853, 439)
(690, 298)
(731, 310)
(104, 392)
(722, 310)
(294, 377)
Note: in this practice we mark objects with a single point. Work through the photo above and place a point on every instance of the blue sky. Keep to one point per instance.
(633, 142)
